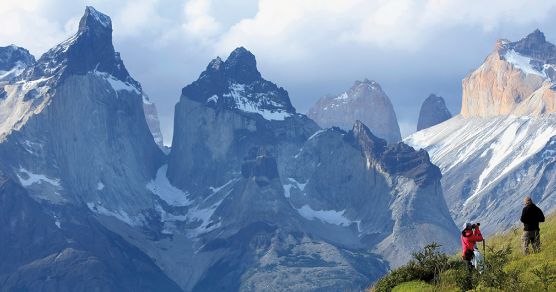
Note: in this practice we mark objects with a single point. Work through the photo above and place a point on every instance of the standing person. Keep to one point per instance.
(470, 235)
(531, 216)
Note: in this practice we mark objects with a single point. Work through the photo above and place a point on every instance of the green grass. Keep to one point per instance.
(510, 271)
(414, 286)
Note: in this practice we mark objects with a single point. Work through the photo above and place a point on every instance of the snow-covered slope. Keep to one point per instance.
(490, 164)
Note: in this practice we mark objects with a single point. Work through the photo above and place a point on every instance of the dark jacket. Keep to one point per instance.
(531, 216)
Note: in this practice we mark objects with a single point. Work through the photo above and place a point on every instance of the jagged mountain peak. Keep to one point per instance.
(535, 38)
(241, 65)
(534, 46)
(90, 49)
(236, 84)
(364, 101)
(365, 139)
(12, 54)
(370, 84)
(13, 61)
(95, 20)
(396, 159)
(215, 64)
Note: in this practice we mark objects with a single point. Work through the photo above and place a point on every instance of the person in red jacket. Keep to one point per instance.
(470, 235)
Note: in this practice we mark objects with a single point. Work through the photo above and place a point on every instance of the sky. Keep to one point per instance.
(309, 47)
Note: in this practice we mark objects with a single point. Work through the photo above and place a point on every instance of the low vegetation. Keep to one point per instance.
(506, 268)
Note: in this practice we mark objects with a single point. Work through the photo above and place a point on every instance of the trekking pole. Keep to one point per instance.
(484, 251)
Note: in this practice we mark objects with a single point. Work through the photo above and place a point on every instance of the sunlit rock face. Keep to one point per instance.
(516, 78)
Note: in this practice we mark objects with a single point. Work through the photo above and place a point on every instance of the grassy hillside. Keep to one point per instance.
(507, 269)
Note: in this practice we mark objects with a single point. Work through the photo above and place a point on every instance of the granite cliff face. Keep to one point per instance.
(517, 78)
(364, 101)
(76, 124)
(433, 111)
(74, 143)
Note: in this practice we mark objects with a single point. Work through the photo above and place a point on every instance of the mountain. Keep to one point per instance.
(75, 148)
(364, 101)
(500, 148)
(229, 99)
(516, 78)
(252, 196)
(269, 194)
(13, 61)
(433, 111)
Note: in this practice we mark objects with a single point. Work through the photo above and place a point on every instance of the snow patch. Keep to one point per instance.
(162, 188)
(327, 216)
(119, 85)
(522, 62)
(316, 134)
(119, 214)
(342, 96)
(28, 178)
(213, 99)
(294, 183)
(254, 104)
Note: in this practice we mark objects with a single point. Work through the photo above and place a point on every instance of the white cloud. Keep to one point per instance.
(297, 28)
(198, 19)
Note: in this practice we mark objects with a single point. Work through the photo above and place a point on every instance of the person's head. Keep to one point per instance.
(467, 226)
(527, 200)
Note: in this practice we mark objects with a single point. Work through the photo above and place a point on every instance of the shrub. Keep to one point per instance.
(546, 274)
(426, 265)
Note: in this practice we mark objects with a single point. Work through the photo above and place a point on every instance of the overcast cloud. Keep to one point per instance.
(310, 47)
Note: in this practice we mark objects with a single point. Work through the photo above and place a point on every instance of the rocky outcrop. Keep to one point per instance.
(433, 111)
(353, 179)
(364, 101)
(517, 78)
(13, 61)
(151, 115)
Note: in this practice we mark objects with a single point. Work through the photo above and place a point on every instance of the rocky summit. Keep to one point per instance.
(13, 61)
(364, 101)
(433, 111)
(516, 78)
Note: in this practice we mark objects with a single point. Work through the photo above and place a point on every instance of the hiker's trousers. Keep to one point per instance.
(533, 238)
